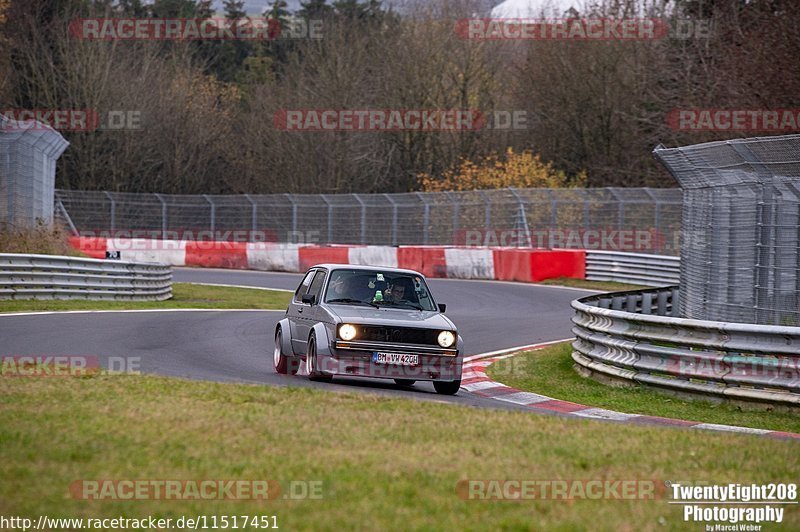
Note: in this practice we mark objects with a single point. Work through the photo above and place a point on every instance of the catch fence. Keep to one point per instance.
(646, 220)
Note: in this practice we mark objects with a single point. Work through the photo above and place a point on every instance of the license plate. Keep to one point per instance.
(397, 359)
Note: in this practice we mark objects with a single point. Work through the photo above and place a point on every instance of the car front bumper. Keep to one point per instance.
(356, 359)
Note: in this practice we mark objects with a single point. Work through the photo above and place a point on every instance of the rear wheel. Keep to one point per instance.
(283, 364)
(311, 362)
(447, 387)
(405, 382)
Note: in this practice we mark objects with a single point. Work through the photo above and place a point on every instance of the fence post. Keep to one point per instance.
(522, 218)
(620, 207)
(213, 215)
(586, 211)
(363, 219)
(456, 215)
(553, 209)
(113, 211)
(253, 214)
(487, 212)
(163, 217)
(330, 217)
(290, 197)
(394, 217)
(657, 215)
(66, 216)
(426, 218)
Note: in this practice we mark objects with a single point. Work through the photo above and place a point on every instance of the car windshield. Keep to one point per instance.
(379, 288)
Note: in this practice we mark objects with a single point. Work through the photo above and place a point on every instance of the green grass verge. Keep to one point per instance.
(605, 286)
(549, 371)
(184, 295)
(384, 463)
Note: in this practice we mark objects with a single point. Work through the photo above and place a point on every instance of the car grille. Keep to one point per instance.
(397, 335)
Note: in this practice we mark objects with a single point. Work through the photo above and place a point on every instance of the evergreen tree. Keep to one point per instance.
(174, 8)
(234, 10)
(278, 17)
(227, 63)
(205, 9)
(134, 8)
(315, 9)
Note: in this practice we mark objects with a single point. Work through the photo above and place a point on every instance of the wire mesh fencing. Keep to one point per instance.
(616, 219)
(28, 154)
(740, 256)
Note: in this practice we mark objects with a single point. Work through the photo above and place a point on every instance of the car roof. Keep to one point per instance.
(331, 266)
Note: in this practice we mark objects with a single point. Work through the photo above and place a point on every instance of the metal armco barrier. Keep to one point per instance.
(56, 277)
(633, 336)
(634, 268)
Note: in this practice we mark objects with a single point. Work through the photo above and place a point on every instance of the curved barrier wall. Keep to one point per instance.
(56, 277)
(634, 336)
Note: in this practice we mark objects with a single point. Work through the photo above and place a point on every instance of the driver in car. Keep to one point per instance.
(400, 291)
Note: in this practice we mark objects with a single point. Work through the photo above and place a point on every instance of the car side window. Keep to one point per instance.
(316, 284)
(303, 288)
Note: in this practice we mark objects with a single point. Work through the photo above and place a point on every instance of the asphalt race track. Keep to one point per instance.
(236, 346)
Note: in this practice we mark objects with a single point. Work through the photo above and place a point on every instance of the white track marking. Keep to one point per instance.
(523, 398)
(239, 286)
(482, 385)
(602, 413)
(729, 428)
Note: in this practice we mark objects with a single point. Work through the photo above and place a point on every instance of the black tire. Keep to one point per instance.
(283, 364)
(405, 382)
(311, 362)
(447, 387)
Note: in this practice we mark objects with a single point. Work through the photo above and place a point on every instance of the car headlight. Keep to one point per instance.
(446, 338)
(347, 332)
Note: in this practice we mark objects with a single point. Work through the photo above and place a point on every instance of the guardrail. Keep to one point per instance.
(634, 268)
(57, 277)
(633, 336)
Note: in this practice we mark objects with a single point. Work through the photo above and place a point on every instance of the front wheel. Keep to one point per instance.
(283, 364)
(447, 387)
(311, 363)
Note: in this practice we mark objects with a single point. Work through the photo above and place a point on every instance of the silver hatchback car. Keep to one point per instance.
(369, 321)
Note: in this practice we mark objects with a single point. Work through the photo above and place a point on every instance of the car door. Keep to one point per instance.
(307, 314)
(295, 313)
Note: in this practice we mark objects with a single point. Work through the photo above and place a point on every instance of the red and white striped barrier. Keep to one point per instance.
(475, 380)
(505, 264)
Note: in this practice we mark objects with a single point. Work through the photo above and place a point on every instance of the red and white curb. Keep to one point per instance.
(475, 380)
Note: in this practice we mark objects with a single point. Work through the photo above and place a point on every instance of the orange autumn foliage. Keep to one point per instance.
(517, 170)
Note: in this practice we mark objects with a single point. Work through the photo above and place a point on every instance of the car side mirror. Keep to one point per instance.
(442, 307)
(309, 298)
